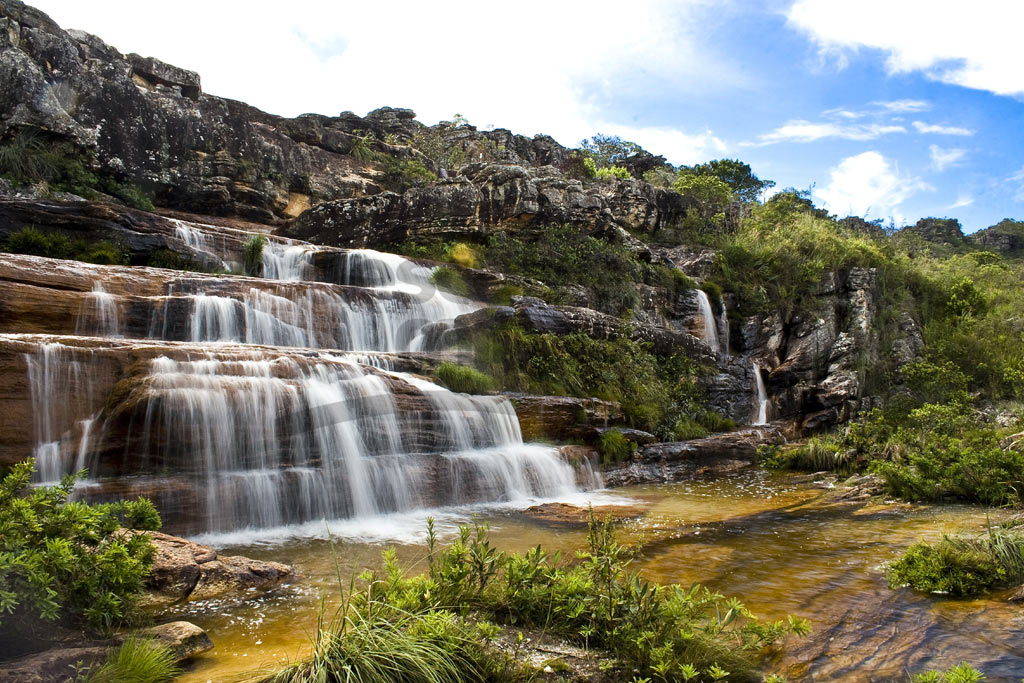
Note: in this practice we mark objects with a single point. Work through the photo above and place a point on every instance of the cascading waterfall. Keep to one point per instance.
(310, 424)
(710, 331)
(762, 397)
(723, 325)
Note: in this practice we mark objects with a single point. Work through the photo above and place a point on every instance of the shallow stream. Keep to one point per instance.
(772, 540)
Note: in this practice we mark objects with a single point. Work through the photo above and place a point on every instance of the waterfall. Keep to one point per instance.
(287, 261)
(762, 397)
(99, 315)
(62, 408)
(267, 403)
(723, 325)
(710, 331)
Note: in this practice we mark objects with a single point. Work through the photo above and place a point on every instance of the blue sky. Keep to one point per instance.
(893, 109)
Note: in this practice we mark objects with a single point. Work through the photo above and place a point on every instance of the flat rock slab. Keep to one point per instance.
(563, 514)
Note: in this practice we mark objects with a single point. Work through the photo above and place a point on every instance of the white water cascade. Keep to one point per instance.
(99, 315)
(256, 404)
(710, 324)
(762, 397)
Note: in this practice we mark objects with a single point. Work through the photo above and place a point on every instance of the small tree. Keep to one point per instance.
(710, 194)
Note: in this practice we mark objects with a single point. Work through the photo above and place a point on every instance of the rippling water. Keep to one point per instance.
(775, 543)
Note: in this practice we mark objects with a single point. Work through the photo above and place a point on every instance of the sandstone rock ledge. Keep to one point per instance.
(184, 570)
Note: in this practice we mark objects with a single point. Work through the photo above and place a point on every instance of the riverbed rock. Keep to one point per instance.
(183, 638)
(676, 461)
(184, 570)
(53, 666)
(565, 515)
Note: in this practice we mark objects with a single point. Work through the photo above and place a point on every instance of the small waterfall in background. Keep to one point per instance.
(762, 397)
(710, 325)
(261, 403)
(723, 325)
(99, 315)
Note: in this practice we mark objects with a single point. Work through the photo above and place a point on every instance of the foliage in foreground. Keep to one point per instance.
(137, 660)
(963, 566)
(961, 673)
(253, 255)
(62, 560)
(407, 628)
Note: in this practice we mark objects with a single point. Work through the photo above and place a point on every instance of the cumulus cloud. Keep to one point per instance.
(329, 57)
(975, 44)
(944, 158)
(926, 128)
(808, 131)
(868, 184)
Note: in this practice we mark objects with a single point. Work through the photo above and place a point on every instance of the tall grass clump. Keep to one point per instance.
(253, 255)
(449, 280)
(137, 660)
(964, 566)
(961, 673)
(465, 380)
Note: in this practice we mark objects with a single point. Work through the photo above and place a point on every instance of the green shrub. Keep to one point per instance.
(961, 673)
(464, 379)
(946, 567)
(137, 660)
(449, 280)
(503, 295)
(253, 255)
(614, 447)
(612, 172)
(66, 560)
(132, 195)
(29, 240)
(403, 174)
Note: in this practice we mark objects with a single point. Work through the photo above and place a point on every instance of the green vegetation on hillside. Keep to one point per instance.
(30, 240)
(657, 393)
(27, 157)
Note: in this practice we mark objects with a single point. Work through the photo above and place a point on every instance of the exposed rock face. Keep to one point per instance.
(184, 570)
(815, 362)
(485, 198)
(671, 462)
(1006, 237)
(563, 418)
(939, 230)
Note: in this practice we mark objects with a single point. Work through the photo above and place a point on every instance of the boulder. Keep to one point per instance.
(184, 570)
(184, 638)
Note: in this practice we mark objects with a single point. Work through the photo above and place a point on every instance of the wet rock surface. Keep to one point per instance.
(184, 570)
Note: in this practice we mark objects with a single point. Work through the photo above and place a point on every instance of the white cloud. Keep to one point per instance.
(808, 131)
(904, 106)
(868, 184)
(328, 57)
(944, 158)
(936, 129)
(962, 201)
(972, 44)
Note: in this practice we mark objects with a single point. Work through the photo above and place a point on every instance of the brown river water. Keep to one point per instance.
(773, 541)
